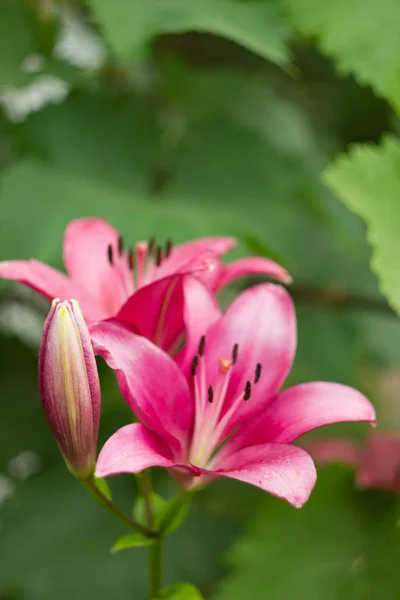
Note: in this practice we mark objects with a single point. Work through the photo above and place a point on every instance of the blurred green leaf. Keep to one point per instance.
(342, 545)
(134, 540)
(157, 507)
(103, 486)
(17, 41)
(172, 511)
(367, 180)
(129, 26)
(362, 37)
(181, 591)
(27, 34)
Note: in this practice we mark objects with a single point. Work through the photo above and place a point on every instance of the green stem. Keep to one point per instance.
(155, 551)
(146, 486)
(90, 486)
(155, 569)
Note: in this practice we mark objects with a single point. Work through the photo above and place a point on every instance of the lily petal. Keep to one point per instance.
(380, 462)
(156, 312)
(335, 450)
(149, 380)
(305, 407)
(201, 311)
(262, 322)
(132, 449)
(87, 260)
(282, 470)
(252, 265)
(199, 257)
(40, 277)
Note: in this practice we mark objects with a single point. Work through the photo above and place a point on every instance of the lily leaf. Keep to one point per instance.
(134, 540)
(181, 591)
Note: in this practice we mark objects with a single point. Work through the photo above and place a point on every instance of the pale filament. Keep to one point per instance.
(209, 426)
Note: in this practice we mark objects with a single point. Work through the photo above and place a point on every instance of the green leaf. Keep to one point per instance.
(342, 545)
(128, 26)
(157, 507)
(181, 591)
(134, 540)
(103, 486)
(174, 513)
(362, 37)
(171, 513)
(367, 180)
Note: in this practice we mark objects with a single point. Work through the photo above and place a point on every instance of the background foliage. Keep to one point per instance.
(250, 118)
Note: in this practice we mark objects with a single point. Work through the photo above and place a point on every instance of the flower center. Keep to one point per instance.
(142, 260)
(211, 427)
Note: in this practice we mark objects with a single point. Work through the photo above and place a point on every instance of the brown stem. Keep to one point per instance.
(337, 297)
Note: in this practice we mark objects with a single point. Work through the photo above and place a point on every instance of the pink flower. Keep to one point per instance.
(110, 280)
(69, 386)
(377, 459)
(217, 411)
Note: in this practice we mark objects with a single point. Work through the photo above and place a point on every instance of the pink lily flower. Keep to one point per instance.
(377, 459)
(110, 281)
(216, 410)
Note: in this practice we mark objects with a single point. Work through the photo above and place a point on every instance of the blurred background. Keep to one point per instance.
(186, 118)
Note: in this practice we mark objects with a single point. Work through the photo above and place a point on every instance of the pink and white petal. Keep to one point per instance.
(200, 311)
(42, 278)
(280, 469)
(198, 257)
(149, 380)
(307, 406)
(262, 322)
(252, 265)
(86, 249)
(156, 312)
(132, 449)
(327, 451)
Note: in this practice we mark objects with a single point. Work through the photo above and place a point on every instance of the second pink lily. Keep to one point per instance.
(219, 412)
(138, 285)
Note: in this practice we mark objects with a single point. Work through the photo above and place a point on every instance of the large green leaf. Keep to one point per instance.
(131, 24)
(362, 37)
(342, 545)
(367, 180)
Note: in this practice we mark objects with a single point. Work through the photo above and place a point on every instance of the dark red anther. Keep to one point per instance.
(202, 345)
(193, 367)
(158, 256)
(210, 393)
(110, 254)
(258, 373)
(121, 245)
(151, 244)
(235, 353)
(168, 247)
(131, 258)
(247, 390)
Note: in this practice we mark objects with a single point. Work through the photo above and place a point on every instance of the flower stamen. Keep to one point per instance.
(235, 353)
(257, 373)
(202, 345)
(168, 247)
(247, 391)
(210, 394)
(110, 254)
(194, 365)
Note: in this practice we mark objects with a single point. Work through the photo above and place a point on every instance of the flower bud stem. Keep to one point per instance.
(90, 486)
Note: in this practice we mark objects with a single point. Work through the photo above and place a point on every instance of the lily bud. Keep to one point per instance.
(69, 386)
